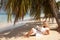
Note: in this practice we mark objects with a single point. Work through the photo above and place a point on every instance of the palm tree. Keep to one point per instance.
(35, 10)
(9, 11)
(58, 4)
(20, 7)
(47, 10)
(55, 11)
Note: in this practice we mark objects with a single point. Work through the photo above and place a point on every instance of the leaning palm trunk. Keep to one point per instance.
(55, 11)
(52, 19)
(49, 19)
(20, 8)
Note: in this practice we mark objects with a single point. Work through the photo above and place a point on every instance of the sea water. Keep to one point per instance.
(3, 17)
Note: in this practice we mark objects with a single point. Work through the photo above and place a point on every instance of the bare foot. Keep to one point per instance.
(26, 36)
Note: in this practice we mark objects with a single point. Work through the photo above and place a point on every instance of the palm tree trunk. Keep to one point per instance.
(17, 15)
(55, 11)
(52, 20)
(49, 19)
(46, 18)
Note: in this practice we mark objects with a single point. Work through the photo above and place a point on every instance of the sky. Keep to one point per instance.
(57, 0)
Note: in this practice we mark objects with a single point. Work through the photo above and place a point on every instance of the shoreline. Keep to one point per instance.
(8, 26)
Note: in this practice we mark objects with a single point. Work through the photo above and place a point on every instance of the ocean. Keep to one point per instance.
(3, 17)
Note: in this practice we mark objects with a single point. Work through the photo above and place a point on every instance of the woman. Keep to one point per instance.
(46, 26)
(38, 31)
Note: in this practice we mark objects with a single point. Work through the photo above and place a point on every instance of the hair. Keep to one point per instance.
(44, 26)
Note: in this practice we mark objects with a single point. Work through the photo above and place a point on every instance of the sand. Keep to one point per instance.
(17, 33)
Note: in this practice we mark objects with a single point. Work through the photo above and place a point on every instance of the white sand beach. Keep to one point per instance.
(29, 10)
(8, 26)
(53, 36)
(16, 32)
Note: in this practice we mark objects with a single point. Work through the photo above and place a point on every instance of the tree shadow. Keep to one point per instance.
(58, 29)
(18, 32)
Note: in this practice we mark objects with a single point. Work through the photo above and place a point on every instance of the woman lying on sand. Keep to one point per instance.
(38, 31)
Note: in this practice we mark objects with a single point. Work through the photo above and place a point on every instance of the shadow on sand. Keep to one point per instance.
(18, 32)
(58, 29)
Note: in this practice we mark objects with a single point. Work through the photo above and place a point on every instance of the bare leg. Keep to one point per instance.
(29, 33)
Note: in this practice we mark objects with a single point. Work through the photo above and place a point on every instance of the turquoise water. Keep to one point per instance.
(3, 17)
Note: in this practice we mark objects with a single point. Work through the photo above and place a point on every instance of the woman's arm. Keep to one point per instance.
(46, 32)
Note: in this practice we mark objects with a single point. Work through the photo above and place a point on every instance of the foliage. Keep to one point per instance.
(20, 8)
(58, 4)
